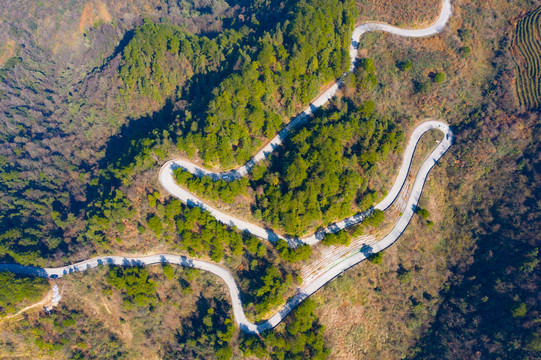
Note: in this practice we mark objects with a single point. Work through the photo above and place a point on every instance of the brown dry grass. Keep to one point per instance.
(374, 304)
(85, 291)
(369, 312)
(93, 14)
(405, 13)
(7, 51)
(376, 316)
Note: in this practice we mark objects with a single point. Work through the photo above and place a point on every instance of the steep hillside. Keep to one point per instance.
(453, 291)
(60, 102)
(95, 96)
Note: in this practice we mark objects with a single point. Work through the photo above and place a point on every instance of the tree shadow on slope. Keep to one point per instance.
(128, 36)
(135, 138)
(205, 334)
(491, 309)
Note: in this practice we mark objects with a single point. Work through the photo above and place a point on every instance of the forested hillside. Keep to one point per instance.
(96, 95)
(170, 74)
(491, 307)
(60, 102)
(320, 175)
(288, 68)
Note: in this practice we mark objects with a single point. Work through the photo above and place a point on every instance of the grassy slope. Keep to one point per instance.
(383, 313)
(490, 308)
(405, 13)
(104, 327)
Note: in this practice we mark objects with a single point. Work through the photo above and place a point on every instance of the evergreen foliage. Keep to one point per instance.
(307, 49)
(168, 271)
(439, 77)
(161, 57)
(16, 289)
(404, 65)
(155, 224)
(423, 213)
(375, 218)
(301, 338)
(317, 179)
(376, 258)
(270, 288)
(214, 190)
(338, 238)
(206, 334)
(201, 234)
(365, 75)
(137, 289)
(300, 253)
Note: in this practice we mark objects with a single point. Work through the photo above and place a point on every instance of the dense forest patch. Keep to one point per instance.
(17, 290)
(290, 64)
(322, 172)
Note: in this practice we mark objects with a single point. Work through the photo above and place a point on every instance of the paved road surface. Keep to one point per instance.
(167, 181)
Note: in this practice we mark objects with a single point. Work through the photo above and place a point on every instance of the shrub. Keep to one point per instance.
(520, 310)
(155, 224)
(421, 87)
(289, 254)
(404, 65)
(375, 258)
(224, 353)
(339, 238)
(404, 276)
(134, 284)
(439, 77)
(168, 271)
(464, 34)
(423, 213)
(375, 218)
(121, 227)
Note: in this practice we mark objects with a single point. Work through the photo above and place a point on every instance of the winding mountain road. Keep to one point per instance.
(167, 180)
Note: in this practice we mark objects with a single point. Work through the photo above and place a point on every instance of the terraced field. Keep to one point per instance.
(526, 50)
